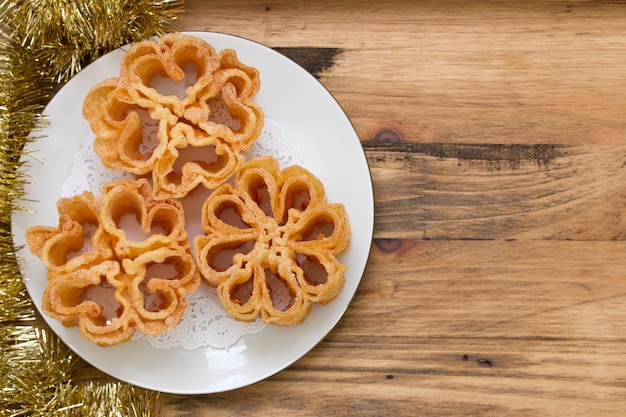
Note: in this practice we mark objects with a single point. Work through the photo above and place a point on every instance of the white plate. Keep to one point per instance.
(314, 122)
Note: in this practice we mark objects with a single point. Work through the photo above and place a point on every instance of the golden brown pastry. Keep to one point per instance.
(271, 243)
(121, 110)
(104, 279)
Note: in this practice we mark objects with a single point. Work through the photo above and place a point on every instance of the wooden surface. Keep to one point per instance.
(496, 137)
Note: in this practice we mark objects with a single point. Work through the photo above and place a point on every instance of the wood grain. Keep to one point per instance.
(496, 138)
(484, 71)
(476, 191)
(457, 328)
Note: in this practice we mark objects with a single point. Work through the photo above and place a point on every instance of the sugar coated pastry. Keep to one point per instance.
(117, 263)
(122, 262)
(271, 242)
(177, 137)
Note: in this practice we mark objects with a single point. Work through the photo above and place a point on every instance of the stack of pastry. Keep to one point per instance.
(269, 240)
(91, 252)
(270, 243)
(114, 109)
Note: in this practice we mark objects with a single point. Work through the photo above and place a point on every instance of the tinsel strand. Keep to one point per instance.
(67, 35)
(23, 94)
(37, 371)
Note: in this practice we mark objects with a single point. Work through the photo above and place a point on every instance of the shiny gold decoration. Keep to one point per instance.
(37, 380)
(36, 369)
(67, 35)
(23, 93)
(43, 43)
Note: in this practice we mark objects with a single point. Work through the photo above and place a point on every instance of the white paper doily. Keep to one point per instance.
(205, 323)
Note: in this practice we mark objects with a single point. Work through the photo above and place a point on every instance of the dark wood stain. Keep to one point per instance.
(387, 135)
(388, 245)
(315, 60)
(485, 362)
(514, 154)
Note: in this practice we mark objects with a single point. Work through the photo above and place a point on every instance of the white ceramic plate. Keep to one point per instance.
(313, 121)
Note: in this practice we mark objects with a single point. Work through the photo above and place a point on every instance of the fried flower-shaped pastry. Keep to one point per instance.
(77, 299)
(176, 136)
(79, 240)
(271, 243)
(117, 263)
(158, 223)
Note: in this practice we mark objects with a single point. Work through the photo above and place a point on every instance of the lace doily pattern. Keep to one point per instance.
(205, 323)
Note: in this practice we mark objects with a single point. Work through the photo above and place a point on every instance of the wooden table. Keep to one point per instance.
(496, 137)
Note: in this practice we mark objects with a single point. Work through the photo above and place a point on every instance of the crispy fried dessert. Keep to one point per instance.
(117, 263)
(122, 262)
(60, 248)
(120, 111)
(271, 243)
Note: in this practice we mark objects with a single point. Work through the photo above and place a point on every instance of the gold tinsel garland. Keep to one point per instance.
(67, 34)
(43, 43)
